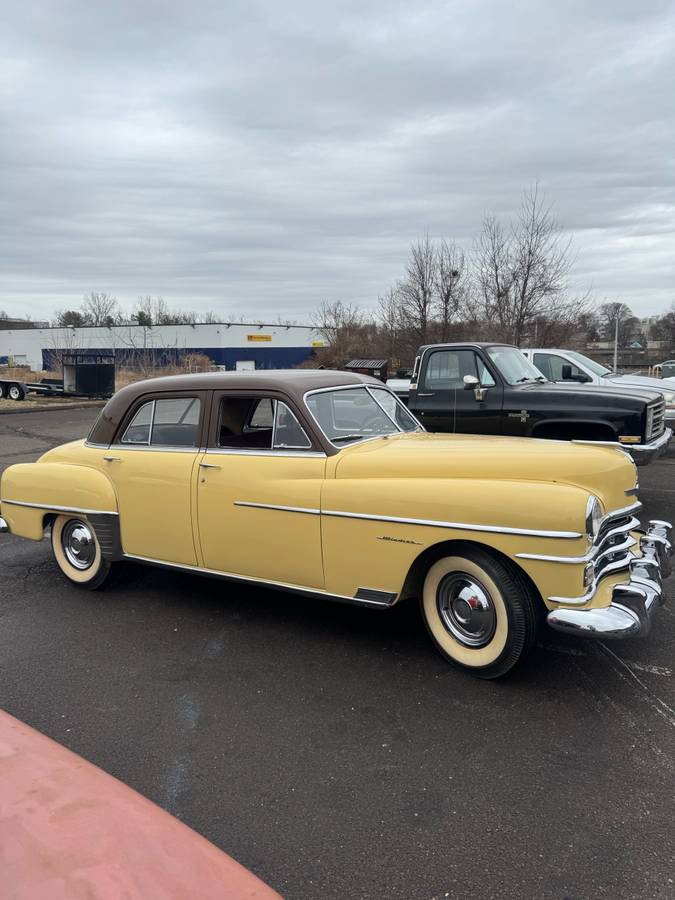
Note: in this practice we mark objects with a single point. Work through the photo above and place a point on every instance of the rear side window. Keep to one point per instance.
(173, 422)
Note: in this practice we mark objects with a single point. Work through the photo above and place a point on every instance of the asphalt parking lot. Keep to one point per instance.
(330, 749)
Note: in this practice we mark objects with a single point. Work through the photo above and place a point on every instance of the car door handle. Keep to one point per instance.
(112, 458)
(208, 466)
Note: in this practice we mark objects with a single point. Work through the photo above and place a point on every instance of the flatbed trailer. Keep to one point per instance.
(85, 374)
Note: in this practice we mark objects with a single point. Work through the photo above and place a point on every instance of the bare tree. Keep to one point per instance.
(616, 312)
(101, 309)
(522, 273)
(416, 291)
(449, 284)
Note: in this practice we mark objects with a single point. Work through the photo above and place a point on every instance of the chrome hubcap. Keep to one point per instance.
(78, 543)
(466, 610)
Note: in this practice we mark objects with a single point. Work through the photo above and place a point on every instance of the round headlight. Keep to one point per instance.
(594, 514)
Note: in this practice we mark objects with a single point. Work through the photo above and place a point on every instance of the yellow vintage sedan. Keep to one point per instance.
(324, 483)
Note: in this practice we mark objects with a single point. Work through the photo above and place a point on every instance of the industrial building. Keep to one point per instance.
(233, 346)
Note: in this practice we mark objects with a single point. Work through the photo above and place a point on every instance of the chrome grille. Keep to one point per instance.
(656, 419)
(612, 546)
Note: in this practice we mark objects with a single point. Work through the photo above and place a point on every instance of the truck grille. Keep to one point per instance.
(656, 420)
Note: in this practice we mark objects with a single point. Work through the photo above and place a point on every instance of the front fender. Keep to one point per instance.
(29, 491)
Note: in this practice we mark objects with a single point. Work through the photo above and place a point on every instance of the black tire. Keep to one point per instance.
(78, 553)
(15, 391)
(479, 611)
(3, 391)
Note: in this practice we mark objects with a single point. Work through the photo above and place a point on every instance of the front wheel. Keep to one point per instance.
(479, 613)
(78, 552)
(15, 392)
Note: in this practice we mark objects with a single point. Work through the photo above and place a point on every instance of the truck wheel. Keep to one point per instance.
(78, 553)
(479, 613)
(15, 392)
(3, 391)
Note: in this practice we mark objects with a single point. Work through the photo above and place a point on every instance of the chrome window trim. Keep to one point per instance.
(456, 526)
(93, 446)
(296, 454)
(73, 509)
(152, 418)
(352, 387)
(284, 585)
(154, 448)
(282, 447)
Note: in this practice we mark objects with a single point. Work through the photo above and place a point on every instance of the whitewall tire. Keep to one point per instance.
(77, 551)
(480, 614)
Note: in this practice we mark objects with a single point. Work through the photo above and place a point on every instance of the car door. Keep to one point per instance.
(259, 491)
(151, 466)
(442, 401)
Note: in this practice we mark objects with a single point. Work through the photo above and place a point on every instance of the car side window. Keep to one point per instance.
(446, 370)
(551, 365)
(259, 424)
(173, 422)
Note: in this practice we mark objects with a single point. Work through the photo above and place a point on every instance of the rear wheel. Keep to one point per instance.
(78, 552)
(15, 392)
(480, 614)
(3, 391)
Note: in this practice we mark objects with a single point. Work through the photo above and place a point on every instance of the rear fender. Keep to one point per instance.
(32, 493)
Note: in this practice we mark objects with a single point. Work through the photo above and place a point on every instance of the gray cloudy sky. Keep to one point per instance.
(256, 157)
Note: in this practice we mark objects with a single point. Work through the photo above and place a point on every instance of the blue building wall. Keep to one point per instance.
(264, 357)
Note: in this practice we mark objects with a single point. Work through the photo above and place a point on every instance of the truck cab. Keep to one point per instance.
(489, 388)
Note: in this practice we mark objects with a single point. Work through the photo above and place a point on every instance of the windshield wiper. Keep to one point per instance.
(521, 380)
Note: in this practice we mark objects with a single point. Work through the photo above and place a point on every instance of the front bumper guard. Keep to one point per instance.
(646, 453)
(634, 602)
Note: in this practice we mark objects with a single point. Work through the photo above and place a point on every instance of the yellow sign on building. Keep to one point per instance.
(258, 337)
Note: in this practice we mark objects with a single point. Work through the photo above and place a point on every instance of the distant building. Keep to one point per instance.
(19, 324)
(232, 346)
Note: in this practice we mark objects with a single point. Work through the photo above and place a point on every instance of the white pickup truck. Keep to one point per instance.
(568, 366)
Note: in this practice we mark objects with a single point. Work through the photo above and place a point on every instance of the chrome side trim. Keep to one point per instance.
(456, 526)
(4, 527)
(73, 509)
(304, 454)
(295, 509)
(93, 446)
(247, 579)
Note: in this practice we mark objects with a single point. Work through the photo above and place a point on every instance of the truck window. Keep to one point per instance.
(446, 369)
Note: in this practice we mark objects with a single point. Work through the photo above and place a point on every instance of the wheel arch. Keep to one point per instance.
(412, 586)
(575, 429)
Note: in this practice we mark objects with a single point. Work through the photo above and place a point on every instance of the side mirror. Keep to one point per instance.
(471, 383)
(566, 372)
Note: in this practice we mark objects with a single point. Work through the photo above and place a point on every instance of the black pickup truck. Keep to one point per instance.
(480, 388)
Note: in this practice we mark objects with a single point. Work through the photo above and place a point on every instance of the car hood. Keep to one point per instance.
(606, 471)
(640, 381)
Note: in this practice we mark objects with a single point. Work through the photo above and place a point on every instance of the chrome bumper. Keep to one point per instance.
(646, 453)
(634, 602)
(3, 526)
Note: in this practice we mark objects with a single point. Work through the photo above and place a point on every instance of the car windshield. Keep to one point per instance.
(595, 368)
(346, 415)
(513, 366)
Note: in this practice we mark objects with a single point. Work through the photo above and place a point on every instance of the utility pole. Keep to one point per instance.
(616, 343)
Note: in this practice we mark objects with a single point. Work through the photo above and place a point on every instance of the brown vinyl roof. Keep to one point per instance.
(293, 382)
